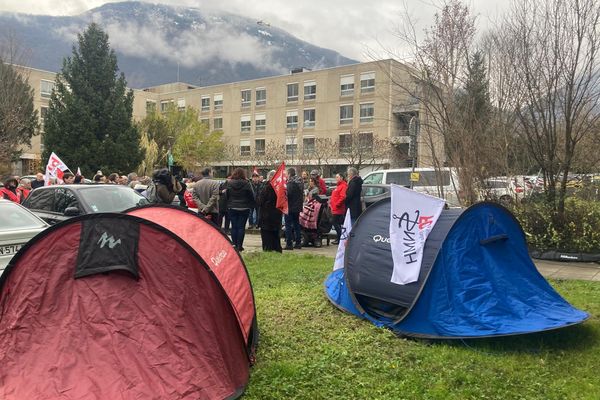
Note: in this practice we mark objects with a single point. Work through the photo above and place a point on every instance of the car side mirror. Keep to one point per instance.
(71, 212)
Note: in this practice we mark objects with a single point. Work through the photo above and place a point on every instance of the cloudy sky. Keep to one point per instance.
(356, 28)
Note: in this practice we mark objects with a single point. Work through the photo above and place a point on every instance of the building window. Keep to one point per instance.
(246, 97)
(181, 104)
(291, 146)
(308, 146)
(367, 82)
(150, 106)
(346, 114)
(218, 124)
(244, 147)
(259, 147)
(43, 114)
(309, 118)
(46, 88)
(260, 122)
(165, 105)
(261, 96)
(246, 123)
(292, 92)
(310, 90)
(347, 85)
(367, 111)
(345, 143)
(205, 122)
(291, 119)
(218, 102)
(205, 103)
(365, 141)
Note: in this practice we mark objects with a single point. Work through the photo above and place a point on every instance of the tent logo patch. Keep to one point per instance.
(105, 239)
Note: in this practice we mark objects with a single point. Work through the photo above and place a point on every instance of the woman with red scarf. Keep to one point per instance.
(9, 191)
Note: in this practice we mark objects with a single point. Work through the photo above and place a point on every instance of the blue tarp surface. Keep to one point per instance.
(483, 283)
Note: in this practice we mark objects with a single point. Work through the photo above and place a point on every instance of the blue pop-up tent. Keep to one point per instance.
(477, 279)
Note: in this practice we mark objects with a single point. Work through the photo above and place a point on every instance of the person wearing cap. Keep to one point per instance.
(322, 187)
(9, 191)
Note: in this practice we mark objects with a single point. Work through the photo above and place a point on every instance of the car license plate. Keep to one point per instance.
(9, 249)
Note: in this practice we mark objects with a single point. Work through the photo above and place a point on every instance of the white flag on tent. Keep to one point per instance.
(412, 217)
(54, 169)
(341, 251)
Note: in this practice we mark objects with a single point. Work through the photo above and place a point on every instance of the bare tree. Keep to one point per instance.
(553, 48)
(363, 149)
(272, 155)
(435, 72)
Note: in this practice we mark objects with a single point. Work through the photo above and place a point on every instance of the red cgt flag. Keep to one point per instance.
(279, 184)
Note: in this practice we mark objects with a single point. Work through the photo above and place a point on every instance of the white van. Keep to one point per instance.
(427, 182)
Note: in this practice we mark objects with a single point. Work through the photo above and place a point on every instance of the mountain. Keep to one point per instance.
(156, 43)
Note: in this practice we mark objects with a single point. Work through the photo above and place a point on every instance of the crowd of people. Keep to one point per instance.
(237, 203)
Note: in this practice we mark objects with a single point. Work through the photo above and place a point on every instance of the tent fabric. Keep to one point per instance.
(217, 250)
(477, 279)
(170, 334)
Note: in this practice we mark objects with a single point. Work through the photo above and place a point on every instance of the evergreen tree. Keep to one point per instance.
(18, 118)
(89, 121)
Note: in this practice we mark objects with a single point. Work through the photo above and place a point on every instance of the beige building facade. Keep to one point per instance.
(306, 118)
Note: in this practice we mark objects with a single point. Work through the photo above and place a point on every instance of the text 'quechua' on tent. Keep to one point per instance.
(113, 306)
(476, 279)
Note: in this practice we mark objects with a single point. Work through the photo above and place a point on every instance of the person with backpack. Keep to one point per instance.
(163, 188)
(295, 196)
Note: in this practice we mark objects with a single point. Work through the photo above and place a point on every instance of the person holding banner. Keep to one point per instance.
(269, 217)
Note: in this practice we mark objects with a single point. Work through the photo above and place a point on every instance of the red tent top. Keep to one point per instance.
(218, 252)
(111, 306)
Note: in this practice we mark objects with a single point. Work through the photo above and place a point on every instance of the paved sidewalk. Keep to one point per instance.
(549, 269)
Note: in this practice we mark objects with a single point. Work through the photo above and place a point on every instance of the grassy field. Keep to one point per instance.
(310, 350)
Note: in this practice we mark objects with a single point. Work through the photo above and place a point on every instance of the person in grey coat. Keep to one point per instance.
(206, 196)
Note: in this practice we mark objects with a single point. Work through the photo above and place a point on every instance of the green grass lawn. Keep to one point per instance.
(308, 349)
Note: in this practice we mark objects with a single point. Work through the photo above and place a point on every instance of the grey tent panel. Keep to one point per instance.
(369, 263)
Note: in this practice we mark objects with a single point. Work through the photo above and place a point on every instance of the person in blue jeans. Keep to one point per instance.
(295, 195)
(240, 200)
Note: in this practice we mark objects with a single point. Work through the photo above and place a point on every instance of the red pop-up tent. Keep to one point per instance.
(114, 306)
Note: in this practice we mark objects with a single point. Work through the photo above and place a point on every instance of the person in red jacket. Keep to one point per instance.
(322, 187)
(9, 191)
(24, 188)
(338, 206)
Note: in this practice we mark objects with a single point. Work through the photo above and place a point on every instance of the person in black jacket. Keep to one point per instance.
(269, 217)
(295, 196)
(353, 194)
(240, 200)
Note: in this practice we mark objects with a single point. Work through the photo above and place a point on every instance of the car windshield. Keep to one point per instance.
(109, 198)
(14, 217)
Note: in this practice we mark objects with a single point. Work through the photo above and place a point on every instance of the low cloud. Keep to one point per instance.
(202, 44)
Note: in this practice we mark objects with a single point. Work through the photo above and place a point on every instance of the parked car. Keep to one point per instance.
(331, 184)
(17, 226)
(373, 193)
(59, 202)
(427, 183)
(503, 189)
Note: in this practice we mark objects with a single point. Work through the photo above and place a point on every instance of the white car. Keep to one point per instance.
(17, 226)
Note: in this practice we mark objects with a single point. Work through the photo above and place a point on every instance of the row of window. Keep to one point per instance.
(367, 112)
(367, 85)
(365, 142)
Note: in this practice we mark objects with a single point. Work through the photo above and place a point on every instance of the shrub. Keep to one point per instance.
(578, 232)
